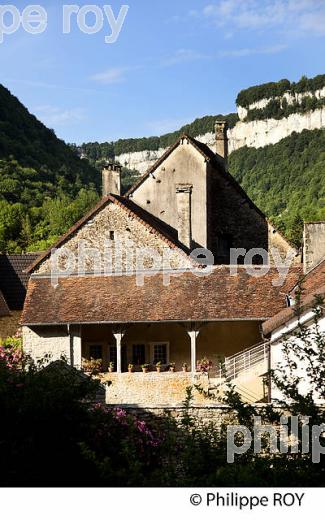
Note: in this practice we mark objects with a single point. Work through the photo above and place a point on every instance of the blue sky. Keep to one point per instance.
(174, 60)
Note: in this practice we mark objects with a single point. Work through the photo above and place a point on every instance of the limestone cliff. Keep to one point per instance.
(256, 133)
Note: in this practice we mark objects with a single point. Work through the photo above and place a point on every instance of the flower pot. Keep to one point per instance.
(184, 369)
(158, 369)
(144, 370)
(130, 370)
(110, 369)
(172, 369)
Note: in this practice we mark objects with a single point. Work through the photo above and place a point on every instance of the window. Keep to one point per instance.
(138, 354)
(96, 351)
(113, 355)
(111, 235)
(160, 352)
(224, 245)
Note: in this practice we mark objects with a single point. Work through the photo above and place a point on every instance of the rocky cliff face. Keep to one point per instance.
(246, 133)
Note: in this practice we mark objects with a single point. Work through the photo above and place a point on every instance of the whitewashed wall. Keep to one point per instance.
(284, 334)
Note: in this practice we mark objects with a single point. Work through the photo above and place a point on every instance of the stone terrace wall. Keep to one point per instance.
(203, 415)
(153, 389)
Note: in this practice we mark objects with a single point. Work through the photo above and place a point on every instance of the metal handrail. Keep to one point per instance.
(243, 361)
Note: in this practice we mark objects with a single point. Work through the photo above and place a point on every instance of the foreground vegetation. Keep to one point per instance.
(52, 434)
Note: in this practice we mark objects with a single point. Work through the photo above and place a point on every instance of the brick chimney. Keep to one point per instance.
(314, 244)
(221, 128)
(183, 201)
(111, 179)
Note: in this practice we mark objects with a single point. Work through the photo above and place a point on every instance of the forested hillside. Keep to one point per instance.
(44, 186)
(286, 180)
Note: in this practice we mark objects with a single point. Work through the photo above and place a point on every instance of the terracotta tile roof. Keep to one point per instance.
(154, 224)
(314, 279)
(312, 284)
(117, 299)
(4, 310)
(14, 279)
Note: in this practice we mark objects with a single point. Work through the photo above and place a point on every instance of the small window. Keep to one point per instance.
(160, 353)
(111, 235)
(224, 245)
(138, 354)
(96, 351)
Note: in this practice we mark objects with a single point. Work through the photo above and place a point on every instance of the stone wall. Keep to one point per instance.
(9, 324)
(314, 244)
(157, 194)
(53, 343)
(202, 414)
(231, 215)
(152, 389)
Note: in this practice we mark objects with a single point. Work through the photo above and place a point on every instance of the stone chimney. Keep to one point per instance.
(183, 201)
(221, 128)
(111, 179)
(314, 244)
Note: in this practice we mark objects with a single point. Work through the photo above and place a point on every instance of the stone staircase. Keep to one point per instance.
(245, 370)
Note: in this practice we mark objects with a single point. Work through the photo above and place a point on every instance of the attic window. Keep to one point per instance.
(111, 235)
(224, 245)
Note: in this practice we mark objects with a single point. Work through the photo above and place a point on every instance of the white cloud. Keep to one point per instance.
(183, 56)
(55, 116)
(110, 76)
(300, 15)
(251, 51)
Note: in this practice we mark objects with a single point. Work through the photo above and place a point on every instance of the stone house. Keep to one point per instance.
(123, 284)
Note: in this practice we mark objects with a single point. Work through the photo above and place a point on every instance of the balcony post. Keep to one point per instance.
(118, 338)
(193, 335)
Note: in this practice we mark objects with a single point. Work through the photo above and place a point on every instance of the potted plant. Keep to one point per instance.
(130, 367)
(158, 366)
(184, 367)
(204, 365)
(92, 366)
(111, 366)
(145, 368)
(172, 367)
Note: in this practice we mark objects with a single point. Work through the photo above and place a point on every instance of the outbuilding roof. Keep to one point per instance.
(189, 297)
(14, 278)
(311, 285)
(4, 310)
